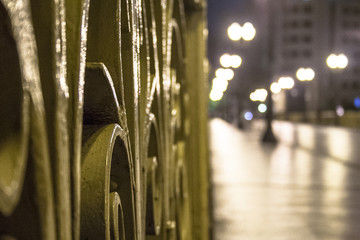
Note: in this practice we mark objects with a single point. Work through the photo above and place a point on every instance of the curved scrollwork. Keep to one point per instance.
(15, 127)
(107, 193)
(154, 179)
(95, 123)
(20, 60)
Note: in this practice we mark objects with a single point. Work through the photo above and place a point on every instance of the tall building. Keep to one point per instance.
(305, 33)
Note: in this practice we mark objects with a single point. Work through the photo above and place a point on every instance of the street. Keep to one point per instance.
(279, 192)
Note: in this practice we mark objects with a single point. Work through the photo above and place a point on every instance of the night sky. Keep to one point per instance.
(252, 73)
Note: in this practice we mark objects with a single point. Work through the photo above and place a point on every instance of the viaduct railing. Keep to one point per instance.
(103, 119)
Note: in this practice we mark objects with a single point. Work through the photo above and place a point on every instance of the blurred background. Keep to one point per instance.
(295, 60)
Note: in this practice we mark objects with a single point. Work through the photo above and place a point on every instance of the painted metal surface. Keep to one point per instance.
(102, 115)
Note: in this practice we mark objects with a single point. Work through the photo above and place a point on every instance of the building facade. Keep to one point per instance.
(305, 34)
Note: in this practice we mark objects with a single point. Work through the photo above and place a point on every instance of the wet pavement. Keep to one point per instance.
(276, 192)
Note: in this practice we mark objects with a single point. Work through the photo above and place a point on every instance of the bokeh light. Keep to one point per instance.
(340, 110)
(337, 61)
(342, 61)
(219, 84)
(235, 31)
(286, 82)
(248, 32)
(236, 61)
(259, 95)
(357, 102)
(262, 108)
(248, 116)
(227, 60)
(305, 74)
(275, 87)
(224, 73)
(252, 97)
(216, 95)
(332, 61)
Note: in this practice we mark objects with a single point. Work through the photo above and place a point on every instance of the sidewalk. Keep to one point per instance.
(275, 192)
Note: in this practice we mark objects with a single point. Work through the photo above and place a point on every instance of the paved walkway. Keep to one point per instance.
(275, 192)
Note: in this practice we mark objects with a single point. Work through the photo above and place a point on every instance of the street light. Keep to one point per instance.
(334, 62)
(224, 73)
(235, 31)
(220, 84)
(216, 95)
(339, 61)
(227, 60)
(262, 107)
(236, 61)
(275, 87)
(259, 95)
(305, 74)
(246, 32)
(286, 82)
(248, 116)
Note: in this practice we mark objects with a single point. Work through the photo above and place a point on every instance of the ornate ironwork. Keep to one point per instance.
(103, 119)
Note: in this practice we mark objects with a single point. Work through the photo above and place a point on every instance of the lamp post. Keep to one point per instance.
(246, 32)
(237, 32)
(233, 61)
(220, 83)
(304, 75)
(283, 83)
(336, 63)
